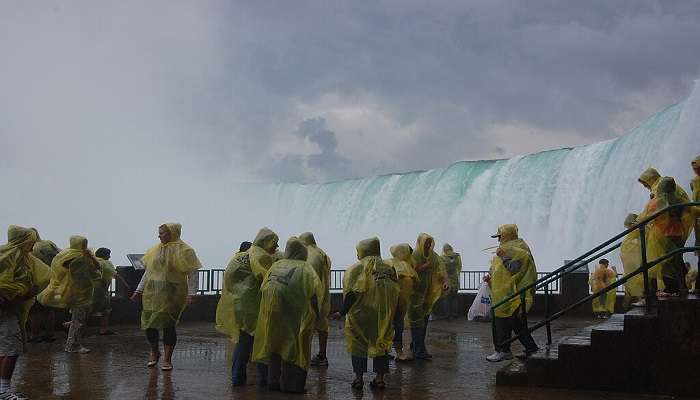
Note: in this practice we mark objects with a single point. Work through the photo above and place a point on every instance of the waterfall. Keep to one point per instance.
(564, 201)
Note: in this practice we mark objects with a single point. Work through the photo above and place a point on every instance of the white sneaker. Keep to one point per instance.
(640, 303)
(9, 395)
(500, 356)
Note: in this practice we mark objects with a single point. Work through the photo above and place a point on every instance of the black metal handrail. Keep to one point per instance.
(584, 259)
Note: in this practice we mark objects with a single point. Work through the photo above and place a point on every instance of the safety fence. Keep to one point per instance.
(211, 281)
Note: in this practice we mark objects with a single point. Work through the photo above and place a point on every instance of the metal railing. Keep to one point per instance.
(469, 281)
(599, 251)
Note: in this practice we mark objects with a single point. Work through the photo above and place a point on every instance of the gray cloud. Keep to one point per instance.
(218, 85)
(325, 164)
(165, 105)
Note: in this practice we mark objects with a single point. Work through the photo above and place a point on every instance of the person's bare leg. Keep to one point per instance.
(168, 355)
(7, 368)
(155, 352)
(380, 377)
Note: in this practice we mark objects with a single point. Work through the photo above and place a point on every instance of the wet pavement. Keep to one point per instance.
(116, 369)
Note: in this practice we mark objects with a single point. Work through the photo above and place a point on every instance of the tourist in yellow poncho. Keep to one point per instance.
(237, 311)
(39, 315)
(453, 267)
(260, 257)
(16, 288)
(101, 296)
(603, 276)
(402, 262)
(668, 231)
(512, 269)
(432, 281)
(166, 288)
(288, 312)
(322, 265)
(631, 256)
(695, 187)
(72, 273)
(650, 179)
(370, 297)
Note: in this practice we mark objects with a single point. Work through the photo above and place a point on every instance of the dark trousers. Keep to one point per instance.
(672, 285)
(169, 336)
(241, 356)
(287, 377)
(398, 329)
(450, 305)
(379, 364)
(418, 335)
(504, 327)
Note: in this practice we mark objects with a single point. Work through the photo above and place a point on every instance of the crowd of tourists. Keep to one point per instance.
(273, 302)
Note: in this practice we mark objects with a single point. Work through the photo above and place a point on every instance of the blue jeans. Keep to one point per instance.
(241, 356)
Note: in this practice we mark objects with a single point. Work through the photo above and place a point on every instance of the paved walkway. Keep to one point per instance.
(115, 369)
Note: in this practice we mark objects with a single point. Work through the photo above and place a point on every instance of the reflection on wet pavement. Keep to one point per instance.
(116, 369)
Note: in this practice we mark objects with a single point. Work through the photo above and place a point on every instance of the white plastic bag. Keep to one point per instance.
(481, 307)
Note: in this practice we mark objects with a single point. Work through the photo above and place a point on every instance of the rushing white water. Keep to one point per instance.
(564, 201)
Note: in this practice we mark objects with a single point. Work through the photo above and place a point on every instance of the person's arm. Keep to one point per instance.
(142, 284)
(348, 301)
(139, 289)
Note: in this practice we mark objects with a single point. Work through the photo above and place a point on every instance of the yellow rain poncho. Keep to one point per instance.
(165, 291)
(45, 250)
(101, 298)
(512, 269)
(16, 266)
(262, 252)
(600, 279)
(240, 297)
(322, 265)
(695, 186)
(369, 329)
(288, 308)
(403, 264)
(72, 273)
(668, 231)
(453, 266)
(631, 256)
(651, 178)
(428, 289)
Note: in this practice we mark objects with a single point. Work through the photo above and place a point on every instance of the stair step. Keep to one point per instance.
(513, 374)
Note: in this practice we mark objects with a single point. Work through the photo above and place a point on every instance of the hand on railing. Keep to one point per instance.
(135, 297)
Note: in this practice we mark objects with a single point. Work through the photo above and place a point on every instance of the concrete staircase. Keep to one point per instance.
(656, 351)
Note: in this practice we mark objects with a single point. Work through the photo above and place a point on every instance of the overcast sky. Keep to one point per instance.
(117, 116)
(317, 91)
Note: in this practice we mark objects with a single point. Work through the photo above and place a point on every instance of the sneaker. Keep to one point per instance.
(319, 361)
(500, 356)
(10, 395)
(640, 303)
